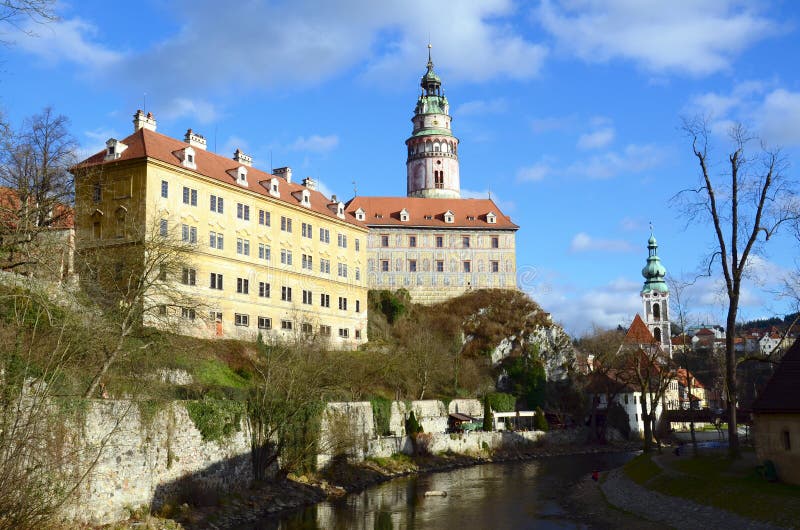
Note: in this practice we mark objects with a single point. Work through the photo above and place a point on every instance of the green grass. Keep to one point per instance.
(723, 483)
(213, 372)
(642, 469)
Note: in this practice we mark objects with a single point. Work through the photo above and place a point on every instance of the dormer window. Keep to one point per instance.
(470, 218)
(449, 217)
(114, 149)
(340, 210)
(306, 200)
(491, 218)
(187, 156)
(428, 217)
(273, 187)
(404, 215)
(240, 174)
(361, 214)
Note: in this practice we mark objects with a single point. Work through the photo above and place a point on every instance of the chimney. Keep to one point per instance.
(195, 140)
(243, 159)
(142, 121)
(310, 183)
(333, 198)
(283, 172)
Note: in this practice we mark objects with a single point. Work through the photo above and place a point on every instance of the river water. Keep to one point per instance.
(512, 495)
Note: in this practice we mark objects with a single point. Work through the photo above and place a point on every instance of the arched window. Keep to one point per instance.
(657, 334)
(656, 312)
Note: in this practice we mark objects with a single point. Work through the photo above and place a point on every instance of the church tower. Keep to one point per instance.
(432, 164)
(655, 297)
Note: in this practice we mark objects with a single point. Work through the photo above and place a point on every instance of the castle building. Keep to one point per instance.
(433, 243)
(267, 256)
(655, 297)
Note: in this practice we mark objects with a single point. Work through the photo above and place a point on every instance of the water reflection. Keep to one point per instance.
(510, 495)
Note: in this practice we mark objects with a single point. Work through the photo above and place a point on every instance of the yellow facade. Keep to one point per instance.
(303, 297)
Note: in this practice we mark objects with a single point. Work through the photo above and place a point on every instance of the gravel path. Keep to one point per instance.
(625, 494)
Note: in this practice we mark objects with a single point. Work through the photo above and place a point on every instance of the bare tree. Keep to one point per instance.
(14, 12)
(145, 278)
(745, 213)
(679, 301)
(36, 191)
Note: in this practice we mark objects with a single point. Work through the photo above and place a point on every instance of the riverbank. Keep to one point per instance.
(272, 500)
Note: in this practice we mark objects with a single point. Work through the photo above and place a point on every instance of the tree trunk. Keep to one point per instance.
(648, 433)
(730, 376)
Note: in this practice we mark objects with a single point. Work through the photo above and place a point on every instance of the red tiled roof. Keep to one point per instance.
(680, 374)
(145, 143)
(468, 213)
(638, 333)
(63, 216)
(704, 331)
(781, 395)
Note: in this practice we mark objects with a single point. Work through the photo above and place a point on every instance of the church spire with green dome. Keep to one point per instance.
(432, 163)
(654, 272)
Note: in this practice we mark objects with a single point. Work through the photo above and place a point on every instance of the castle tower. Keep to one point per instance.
(655, 297)
(432, 164)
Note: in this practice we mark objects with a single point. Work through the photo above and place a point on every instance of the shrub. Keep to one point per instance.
(215, 418)
(539, 420)
(413, 427)
(502, 402)
(381, 412)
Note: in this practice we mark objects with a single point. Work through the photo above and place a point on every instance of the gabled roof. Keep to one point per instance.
(782, 393)
(638, 333)
(145, 143)
(429, 212)
(681, 373)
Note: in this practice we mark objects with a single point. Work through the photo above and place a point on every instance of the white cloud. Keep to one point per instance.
(315, 143)
(482, 106)
(69, 40)
(551, 123)
(534, 173)
(597, 139)
(779, 118)
(583, 242)
(199, 110)
(633, 159)
(695, 37)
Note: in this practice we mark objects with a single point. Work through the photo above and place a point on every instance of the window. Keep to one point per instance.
(495, 266)
(307, 230)
(215, 316)
(439, 241)
(342, 240)
(188, 313)
(344, 333)
(412, 265)
(242, 211)
(384, 241)
(286, 224)
(358, 245)
(412, 241)
(189, 196)
(495, 242)
(217, 204)
(243, 246)
(162, 309)
(241, 320)
(286, 256)
(308, 297)
(190, 158)
(286, 325)
(263, 289)
(189, 276)
(189, 234)
(342, 270)
(358, 274)
(264, 323)
(324, 330)
(626, 399)
(216, 281)
(358, 334)
(264, 218)
(787, 440)
(242, 285)
(385, 265)
(162, 273)
(97, 192)
(162, 227)
(343, 303)
(440, 266)
(465, 241)
(306, 328)
(286, 294)
(308, 262)
(164, 189)
(264, 252)
(215, 240)
(358, 306)
(324, 235)
(325, 266)
(438, 177)
(467, 266)
(325, 300)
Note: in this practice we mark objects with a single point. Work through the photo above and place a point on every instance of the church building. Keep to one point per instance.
(655, 297)
(432, 242)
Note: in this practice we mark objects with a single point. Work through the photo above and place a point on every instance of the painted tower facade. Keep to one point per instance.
(432, 164)
(655, 297)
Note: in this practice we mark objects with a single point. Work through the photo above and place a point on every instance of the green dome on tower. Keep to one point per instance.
(654, 272)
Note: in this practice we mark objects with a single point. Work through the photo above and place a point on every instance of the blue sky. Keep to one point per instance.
(568, 112)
